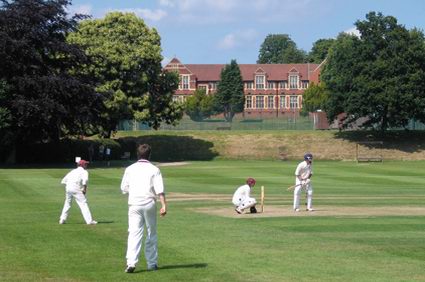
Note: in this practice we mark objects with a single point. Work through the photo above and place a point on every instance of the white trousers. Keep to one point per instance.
(245, 203)
(81, 200)
(297, 195)
(138, 218)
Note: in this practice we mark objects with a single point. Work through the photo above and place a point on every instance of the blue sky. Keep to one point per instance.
(216, 31)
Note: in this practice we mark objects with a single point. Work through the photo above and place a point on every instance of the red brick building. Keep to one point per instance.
(271, 90)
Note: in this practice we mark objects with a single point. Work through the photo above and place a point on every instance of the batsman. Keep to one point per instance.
(303, 175)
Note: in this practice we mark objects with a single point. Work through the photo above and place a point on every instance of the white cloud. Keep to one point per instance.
(80, 9)
(239, 38)
(147, 14)
(353, 31)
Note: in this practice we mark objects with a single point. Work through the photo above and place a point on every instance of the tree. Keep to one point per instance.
(42, 97)
(280, 49)
(126, 56)
(320, 50)
(314, 98)
(230, 98)
(380, 76)
(199, 106)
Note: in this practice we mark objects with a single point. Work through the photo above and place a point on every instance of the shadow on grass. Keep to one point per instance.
(406, 141)
(176, 266)
(171, 148)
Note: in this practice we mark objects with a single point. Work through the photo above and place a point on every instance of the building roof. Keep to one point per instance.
(275, 72)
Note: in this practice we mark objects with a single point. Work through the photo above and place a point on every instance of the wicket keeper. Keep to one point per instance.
(242, 199)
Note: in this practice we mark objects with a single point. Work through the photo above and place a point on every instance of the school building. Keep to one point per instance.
(271, 90)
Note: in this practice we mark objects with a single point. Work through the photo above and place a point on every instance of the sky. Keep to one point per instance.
(217, 31)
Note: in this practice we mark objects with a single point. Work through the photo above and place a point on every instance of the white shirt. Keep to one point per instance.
(241, 193)
(304, 170)
(76, 179)
(143, 182)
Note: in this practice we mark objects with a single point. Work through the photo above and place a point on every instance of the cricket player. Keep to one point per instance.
(242, 199)
(303, 174)
(76, 187)
(142, 181)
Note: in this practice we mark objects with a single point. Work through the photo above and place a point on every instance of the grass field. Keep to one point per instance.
(198, 246)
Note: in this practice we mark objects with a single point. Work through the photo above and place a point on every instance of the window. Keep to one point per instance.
(293, 101)
(203, 87)
(259, 81)
(270, 102)
(249, 85)
(270, 85)
(293, 81)
(259, 102)
(304, 84)
(282, 104)
(248, 104)
(213, 85)
(185, 81)
(283, 84)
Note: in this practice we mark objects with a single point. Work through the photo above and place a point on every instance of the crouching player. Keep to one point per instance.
(242, 199)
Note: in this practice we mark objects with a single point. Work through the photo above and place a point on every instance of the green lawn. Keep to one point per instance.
(200, 247)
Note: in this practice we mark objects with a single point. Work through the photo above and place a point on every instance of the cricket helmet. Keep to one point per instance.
(308, 157)
(251, 181)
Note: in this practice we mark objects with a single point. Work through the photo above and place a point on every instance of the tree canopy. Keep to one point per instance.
(314, 98)
(320, 50)
(126, 64)
(379, 76)
(199, 106)
(280, 49)
(230, 98)
(42, 98)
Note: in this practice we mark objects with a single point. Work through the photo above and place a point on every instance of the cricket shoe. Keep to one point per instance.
(238, 211)
(62, 221)
(93, 222)
(310, 210)
(296, 210)
(129, 269)
(153, 268)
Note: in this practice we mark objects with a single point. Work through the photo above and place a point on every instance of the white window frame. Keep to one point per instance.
(260, 81)
(293, 101)
(259, 100)
(270, 102)
(213, 85)
(248, 102)
(185, 85)
(249, 85)
(270, 85)
(282, 101)
(293, 81)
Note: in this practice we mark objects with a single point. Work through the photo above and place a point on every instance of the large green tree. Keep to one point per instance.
(320, 50)
(42, 97)
(280, 49)
(230, 98)
(199, 106)
(314, 98)
(380, 76)
(126, 63)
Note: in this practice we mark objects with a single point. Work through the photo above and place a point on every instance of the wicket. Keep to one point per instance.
(262, 199)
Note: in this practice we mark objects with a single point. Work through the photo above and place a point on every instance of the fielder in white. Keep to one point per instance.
(242, 197)
(142, 181)
(303, 174)
(76, 187)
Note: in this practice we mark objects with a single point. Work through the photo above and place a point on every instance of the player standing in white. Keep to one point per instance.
(242, 197)
(76, 187)
(303, 174)
(142, 181)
